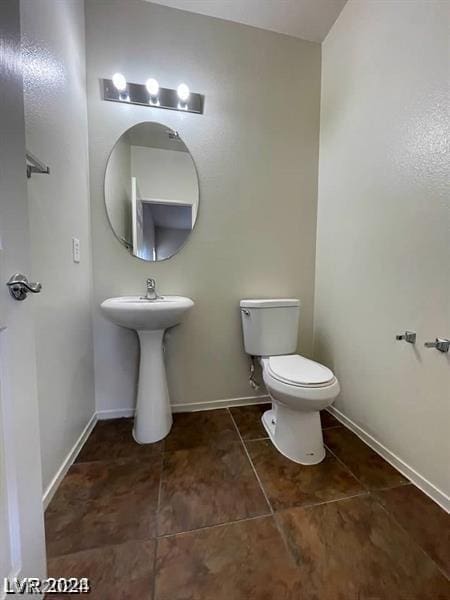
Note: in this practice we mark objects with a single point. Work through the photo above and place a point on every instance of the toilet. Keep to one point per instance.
(298, 387)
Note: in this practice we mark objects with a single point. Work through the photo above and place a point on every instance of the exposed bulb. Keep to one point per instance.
(183, 92)
(152, 87)
(119, 82)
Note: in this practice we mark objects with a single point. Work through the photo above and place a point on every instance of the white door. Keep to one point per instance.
(22, 546)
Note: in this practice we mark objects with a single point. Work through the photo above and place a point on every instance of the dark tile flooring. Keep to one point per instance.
(216, 513)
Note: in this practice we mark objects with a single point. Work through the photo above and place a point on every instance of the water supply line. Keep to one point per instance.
(252, 379)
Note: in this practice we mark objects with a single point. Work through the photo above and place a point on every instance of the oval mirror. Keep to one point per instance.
(151, 191)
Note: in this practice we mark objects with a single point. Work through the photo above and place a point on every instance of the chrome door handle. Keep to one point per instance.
(441, 344)
(19, 286)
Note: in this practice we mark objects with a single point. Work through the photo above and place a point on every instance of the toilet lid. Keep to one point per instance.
(298, 370)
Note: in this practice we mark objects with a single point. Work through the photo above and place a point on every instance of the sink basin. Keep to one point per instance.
(150, 319)
(138, 313)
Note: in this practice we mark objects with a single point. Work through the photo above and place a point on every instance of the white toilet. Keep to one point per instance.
(299, 387)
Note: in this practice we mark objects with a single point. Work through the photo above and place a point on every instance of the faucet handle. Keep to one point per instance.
(151, 294)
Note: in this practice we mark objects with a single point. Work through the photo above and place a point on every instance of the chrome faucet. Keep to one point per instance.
(151, 290)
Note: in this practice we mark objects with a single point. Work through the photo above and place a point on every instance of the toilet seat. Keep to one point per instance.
(298, 371)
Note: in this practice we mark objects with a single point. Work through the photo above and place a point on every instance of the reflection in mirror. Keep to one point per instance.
(151, 191)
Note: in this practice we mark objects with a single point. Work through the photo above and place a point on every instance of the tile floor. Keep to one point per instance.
(216, 513)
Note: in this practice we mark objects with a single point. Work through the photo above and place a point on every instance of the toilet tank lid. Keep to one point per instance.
(269, 302)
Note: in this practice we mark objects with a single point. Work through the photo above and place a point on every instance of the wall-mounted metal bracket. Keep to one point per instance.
(441, 344)
(408, 336)
(35, 166)
(136, 93)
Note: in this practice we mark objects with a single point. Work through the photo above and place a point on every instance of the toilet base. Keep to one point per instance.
(296, 434)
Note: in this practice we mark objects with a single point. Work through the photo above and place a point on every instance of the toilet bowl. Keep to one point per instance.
(298, 387)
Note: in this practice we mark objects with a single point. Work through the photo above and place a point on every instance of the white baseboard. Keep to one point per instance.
(419, 481)
(114, 413)
(117, 413)
(226, 403)
(68, 461)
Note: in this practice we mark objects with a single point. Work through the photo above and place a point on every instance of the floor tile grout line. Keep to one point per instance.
(378, 500)
(392, 487)
(269, 504)
(413, 540)
(364, 493)
(365, 486)
(347, 468)
(279, 524)
(331, 501)
(261, 439)
(222, 524)
(158, 503)
(365, 490)
(375, 494)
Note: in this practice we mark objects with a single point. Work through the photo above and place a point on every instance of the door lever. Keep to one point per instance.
(19, 286)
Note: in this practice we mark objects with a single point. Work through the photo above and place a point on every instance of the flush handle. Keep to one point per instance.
(441, 344)
(245, 312)
(19, 286)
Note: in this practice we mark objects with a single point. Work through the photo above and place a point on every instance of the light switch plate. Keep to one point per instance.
(76, 250)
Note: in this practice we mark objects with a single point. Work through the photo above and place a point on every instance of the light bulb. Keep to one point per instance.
(183, 92)
(152, 87)
(119, 82)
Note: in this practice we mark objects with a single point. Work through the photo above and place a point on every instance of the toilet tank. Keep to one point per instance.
(270, 326)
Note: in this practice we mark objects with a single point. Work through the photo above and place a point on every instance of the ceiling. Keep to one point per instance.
(307, 19)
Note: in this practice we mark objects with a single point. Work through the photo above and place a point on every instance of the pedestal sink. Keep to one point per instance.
(149, 318)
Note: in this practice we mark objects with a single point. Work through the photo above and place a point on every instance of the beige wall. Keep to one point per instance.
(383, 227)
(256, 150)
(56, 132)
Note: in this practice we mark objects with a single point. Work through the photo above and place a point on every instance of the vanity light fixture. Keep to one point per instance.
(150, 94)
(152, 86)
(120, 83)
(183, 94)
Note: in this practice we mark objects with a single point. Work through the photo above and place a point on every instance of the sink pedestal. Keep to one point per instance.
(153, 418)
(150, 319)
